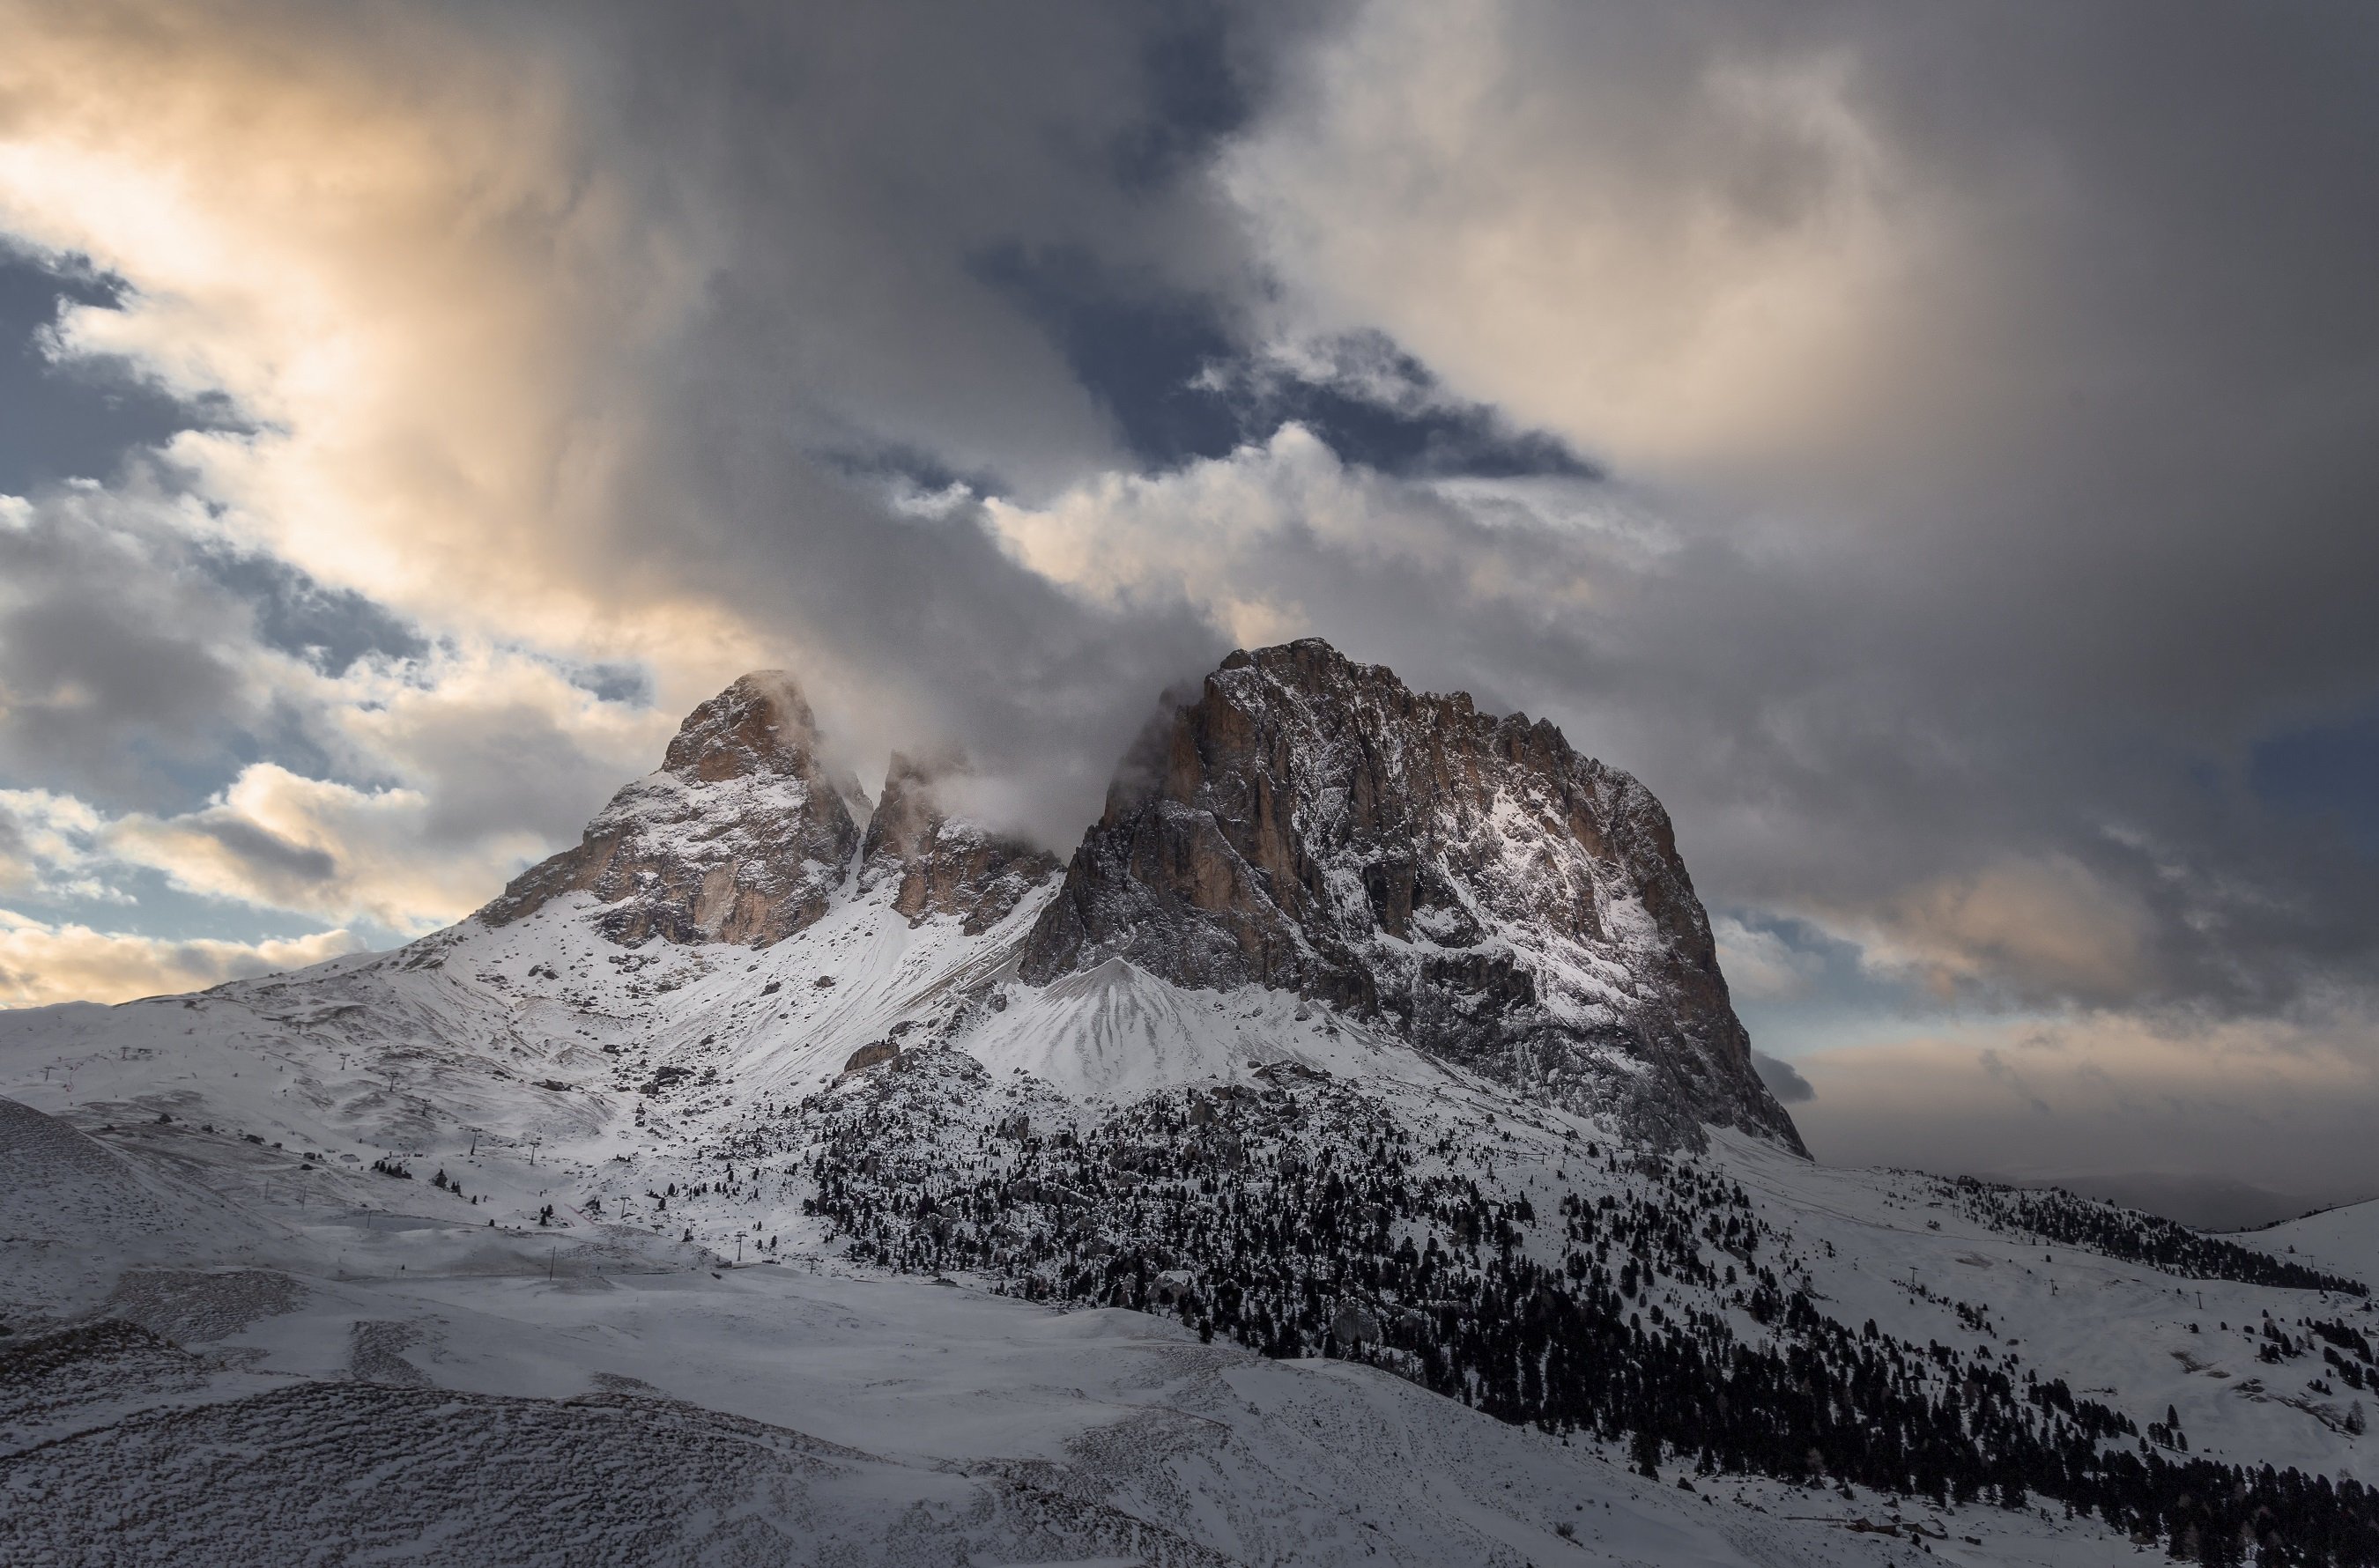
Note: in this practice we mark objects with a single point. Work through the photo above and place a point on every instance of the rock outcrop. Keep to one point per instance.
(942, 865)
(1470, 881)
(741, 836)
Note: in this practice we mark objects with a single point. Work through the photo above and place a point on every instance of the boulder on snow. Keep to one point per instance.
(871, 1055)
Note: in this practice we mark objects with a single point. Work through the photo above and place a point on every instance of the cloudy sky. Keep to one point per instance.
(1932, 446)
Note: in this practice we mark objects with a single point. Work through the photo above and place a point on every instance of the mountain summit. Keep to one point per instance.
(740, 837)
(1314, 824)
(1463, 881)
(942, 865)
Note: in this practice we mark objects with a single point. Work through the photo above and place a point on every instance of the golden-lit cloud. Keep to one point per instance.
(386, 241)
(448, 739)
(2048, 926)
(315, 847)
(431, 845)
(41, 963)
(543, 345)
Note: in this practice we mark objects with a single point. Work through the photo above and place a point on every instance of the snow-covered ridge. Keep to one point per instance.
(2345, 1240)
(881, 1221)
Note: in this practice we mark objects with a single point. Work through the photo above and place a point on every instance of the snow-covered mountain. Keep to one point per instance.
(1314, 826)
(741, 836)
(1348, 1153)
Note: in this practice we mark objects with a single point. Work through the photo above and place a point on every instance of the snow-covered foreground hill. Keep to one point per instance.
(314, 1299)
(521, 1243)
(332, 1380)
(442, 1397)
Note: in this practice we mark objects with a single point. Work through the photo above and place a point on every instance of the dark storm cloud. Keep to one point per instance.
(119, 674)
(910, 631)
(931, 272)
(1782, 1078)
(1202, 76)
(2001, 616)
(1931, 446)
(2026, 626)
(2044, 590)
(266, 856)
(853, 164)
(895, 205)
(2324, 777)
(835, 171)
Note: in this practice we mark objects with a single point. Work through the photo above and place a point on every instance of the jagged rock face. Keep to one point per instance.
(940, 864)
(1314, 825)
(741, 836)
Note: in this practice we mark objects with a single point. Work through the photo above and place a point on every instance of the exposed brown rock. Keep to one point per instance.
(1314, 825)
(941, 864)
(869, 1055)
(741, 836)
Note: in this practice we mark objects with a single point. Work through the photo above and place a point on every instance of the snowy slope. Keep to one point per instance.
(422, 1053)
(617, 1392)
(1009, 1250)
(1913, 1254)
(643, 1411)
(2345, 1240)
(78, 1213)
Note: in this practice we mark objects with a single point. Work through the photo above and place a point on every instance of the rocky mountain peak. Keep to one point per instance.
(940, 863)
(742, 835)
(759, 725)
(1466, 879)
